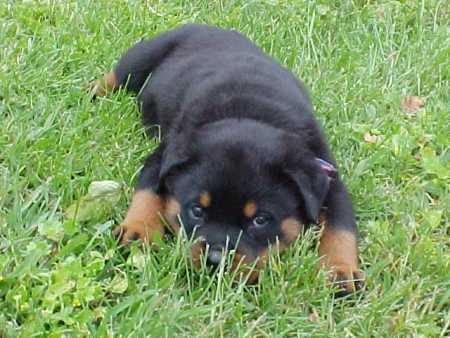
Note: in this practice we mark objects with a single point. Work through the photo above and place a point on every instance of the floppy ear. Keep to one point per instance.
(313, 182)
(175, 156)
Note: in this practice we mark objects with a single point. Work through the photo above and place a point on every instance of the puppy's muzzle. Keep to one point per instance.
(215, 254)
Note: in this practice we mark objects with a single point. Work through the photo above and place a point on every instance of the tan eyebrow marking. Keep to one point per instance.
(250, 209)
(205, 199)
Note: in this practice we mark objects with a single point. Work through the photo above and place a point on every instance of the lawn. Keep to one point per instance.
(65, 276)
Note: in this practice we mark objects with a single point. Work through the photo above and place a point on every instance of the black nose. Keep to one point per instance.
(215, 255)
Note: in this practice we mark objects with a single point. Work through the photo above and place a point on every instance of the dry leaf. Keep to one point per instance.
(380, 13)
(314, 316)
(369, 138)
(411, 104)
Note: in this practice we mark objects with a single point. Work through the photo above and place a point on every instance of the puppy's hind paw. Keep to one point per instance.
(346, 280)
(100, 87)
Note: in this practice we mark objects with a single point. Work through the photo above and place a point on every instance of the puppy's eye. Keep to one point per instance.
(261, 220)
(196, 211)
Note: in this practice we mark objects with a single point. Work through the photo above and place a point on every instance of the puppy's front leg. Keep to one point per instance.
(136, 64)
(338, 242)
(143, 218)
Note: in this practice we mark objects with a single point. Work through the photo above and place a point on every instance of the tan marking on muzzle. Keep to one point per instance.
(246, 267)
(197, 250)
(291, 229)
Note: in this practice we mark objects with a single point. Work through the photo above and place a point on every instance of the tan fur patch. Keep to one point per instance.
(196, 253)
(205, 199)
(171, 211)
(338, 252)
(241, 262)
(291, 229)
(250, 209)
(108, 83)
(143, 218)
(337, 248)
(339, 255)
(245, 266)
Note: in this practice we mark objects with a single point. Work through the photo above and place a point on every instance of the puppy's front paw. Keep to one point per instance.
(129, 232)
(346, 279)
(339, 256)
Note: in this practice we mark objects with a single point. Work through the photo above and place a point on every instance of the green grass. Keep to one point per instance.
(357, 57)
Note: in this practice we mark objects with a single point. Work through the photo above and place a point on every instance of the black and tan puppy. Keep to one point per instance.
(242, 160)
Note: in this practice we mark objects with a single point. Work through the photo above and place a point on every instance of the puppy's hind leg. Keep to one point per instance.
(135, 66)
(106, 84)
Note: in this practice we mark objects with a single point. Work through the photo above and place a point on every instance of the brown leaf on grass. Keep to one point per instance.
(411, 104)
(369, 138)
(314, 316)
(380, 13)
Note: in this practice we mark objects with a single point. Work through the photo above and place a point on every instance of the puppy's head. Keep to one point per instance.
(242, 185)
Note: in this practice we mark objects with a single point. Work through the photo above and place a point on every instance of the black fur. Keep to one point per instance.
(236, 124)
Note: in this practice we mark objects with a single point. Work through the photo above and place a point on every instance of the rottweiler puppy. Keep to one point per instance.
(242, 161)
